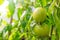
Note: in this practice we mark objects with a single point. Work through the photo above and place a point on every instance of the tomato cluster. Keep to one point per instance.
(39, 15)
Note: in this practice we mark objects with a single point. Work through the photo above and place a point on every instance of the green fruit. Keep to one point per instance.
(41, 30)
(39, 14)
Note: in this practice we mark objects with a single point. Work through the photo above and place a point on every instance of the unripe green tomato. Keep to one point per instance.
(41, 30)
(39, 14)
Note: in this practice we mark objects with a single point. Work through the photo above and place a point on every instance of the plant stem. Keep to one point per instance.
(57, 36)
(51, 32)
(9, 32)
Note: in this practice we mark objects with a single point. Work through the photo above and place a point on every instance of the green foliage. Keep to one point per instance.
(14, 36)
(7, 28)
(19, 12)
(11, 7)
(1, 35)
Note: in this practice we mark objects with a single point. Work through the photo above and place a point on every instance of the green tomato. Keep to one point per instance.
(39, 14)
(41, 30)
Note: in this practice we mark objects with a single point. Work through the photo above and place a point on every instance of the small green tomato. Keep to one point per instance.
(39, 14)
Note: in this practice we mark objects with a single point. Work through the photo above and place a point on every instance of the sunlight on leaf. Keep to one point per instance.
(8, 15)
(1, 2)
(0, 14)
(4, 22)
(14, 20)
(51, 8)
(11, 7)
(33, 38)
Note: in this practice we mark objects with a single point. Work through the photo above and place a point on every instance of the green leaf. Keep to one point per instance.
(23, 24)
(19, 13)
(53, 37)
(57, 21)
(1, 34)
(7, 28)
(51, 7)
(58, 12)
(23, 36)
(33, 38)
(15, 36)
(43, 2)
(8, 15)
(37, 3)
(11, 7)
(49, 1)
(28, 15)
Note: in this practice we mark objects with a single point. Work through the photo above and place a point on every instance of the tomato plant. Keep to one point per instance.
(29, 19)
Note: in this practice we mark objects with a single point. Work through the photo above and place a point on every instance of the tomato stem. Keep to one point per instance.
(51, 32)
